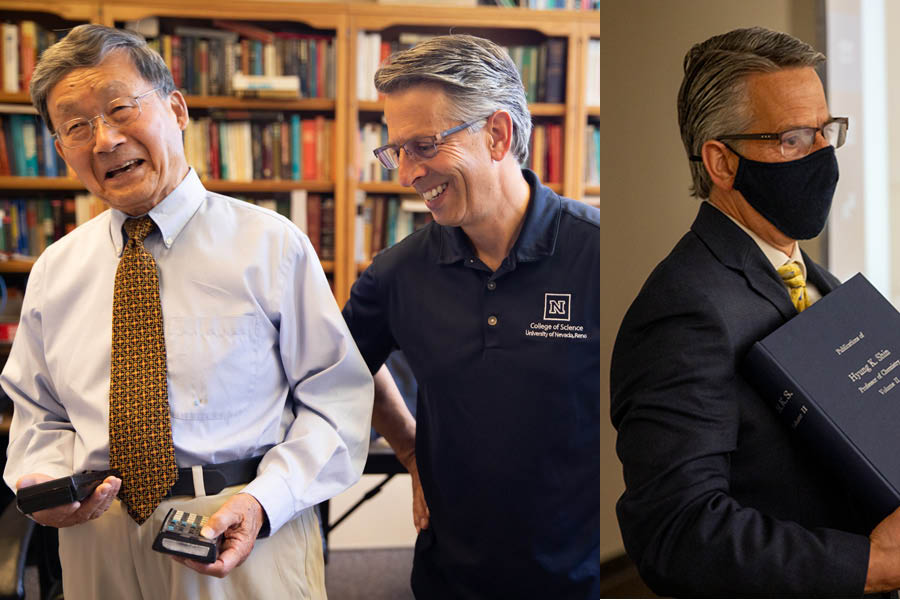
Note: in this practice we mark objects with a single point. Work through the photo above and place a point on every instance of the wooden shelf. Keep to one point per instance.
(267, 185)
(226, 102)
(236, 103)
(593, 111)
(11, 182)
(16, 265)
(592, 190)
(24, 266)
(215, 185)
(540, 109)
(15, 98)
(388, 187)
(385, 187)
(560, 23)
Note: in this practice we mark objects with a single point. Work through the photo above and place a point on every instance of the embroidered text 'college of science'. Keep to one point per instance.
(140, 431)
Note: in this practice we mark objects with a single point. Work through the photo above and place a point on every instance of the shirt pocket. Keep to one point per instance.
(213, 364)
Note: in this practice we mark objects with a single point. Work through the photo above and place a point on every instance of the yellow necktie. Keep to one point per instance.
(140, 433)
(792, 275)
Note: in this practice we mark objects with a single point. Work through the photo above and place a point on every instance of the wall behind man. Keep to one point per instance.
(645, 204)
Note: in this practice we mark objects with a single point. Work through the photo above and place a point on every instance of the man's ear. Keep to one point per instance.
(179, 107)
(720, 162)
(499, 127)
(59, 149)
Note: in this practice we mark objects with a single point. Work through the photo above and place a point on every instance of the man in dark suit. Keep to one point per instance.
(720, 500)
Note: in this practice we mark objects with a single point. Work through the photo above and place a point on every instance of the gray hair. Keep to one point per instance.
(87, 46)
(713, 98)
(477, 75)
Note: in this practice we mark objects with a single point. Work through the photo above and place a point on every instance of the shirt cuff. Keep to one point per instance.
(274, 495)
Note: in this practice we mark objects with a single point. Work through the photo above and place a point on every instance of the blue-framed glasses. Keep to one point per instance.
(421, 148)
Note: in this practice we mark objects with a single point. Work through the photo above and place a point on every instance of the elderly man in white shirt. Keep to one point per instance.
(267, 393)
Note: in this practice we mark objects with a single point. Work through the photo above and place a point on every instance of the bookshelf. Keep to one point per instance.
(508, 27)
(286, 21)
(591, 95)
(342, 22)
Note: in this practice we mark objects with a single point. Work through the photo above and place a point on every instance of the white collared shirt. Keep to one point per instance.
(777, 257)
(259, 358)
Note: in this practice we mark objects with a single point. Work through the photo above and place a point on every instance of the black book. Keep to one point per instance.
(555, 76)
(832, 373)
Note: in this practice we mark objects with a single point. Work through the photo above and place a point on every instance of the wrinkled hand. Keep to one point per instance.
(75, 513)
(421, 514)
(884, 555)
(240, 519)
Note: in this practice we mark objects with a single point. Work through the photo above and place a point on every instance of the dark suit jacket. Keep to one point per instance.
(719, 499)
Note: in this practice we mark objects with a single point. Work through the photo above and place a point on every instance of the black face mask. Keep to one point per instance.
(795, 196)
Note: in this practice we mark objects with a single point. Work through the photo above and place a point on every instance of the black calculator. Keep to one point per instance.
(180, 535)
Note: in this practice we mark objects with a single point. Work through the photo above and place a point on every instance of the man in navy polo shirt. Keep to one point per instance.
(496, 305)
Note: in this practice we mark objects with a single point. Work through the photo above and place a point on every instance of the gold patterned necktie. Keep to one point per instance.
(140, 432)
(792, 275)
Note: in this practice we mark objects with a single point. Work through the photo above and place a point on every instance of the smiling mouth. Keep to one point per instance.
(434, 192)
(128, 166)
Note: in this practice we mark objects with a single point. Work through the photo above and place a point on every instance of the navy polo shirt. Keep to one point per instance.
(508, 407)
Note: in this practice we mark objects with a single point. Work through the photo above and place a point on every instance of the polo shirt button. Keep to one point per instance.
(492, 320)
(491, 285)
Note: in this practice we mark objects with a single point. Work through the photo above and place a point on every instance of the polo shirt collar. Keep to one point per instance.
(536, 240)
(170, 215)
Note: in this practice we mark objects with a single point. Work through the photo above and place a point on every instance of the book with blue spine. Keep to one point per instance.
(832, 374)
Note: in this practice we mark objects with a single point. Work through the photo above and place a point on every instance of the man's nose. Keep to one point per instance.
(409, 169)
(106, 137)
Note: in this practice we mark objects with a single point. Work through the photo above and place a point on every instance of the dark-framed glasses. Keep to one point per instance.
(118, 113)
(421, 148)
(795, 143)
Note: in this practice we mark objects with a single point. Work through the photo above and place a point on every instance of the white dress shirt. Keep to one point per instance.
(779, 258)
(259, 358)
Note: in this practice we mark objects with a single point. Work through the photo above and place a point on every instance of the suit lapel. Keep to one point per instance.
(737, 251)
(824, 281)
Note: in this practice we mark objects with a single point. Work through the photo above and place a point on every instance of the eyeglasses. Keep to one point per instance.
(795, 143)
(421, 148)
(118, 113)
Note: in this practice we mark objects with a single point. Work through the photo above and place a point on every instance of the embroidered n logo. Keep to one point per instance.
(557, 307)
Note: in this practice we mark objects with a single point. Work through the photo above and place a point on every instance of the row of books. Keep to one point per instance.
(245, 146)
(592, 155)
(29, 225)
(22, 44)
(542, 67)
(382, 221)
(546, 4)
(373, 135)
(545, 152)
(313, 213)
(26, 145)
(238, 58)
(593, 73)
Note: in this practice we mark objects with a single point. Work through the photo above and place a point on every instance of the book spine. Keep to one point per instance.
(314, 221)
(555, 75)
(10, 57)
(296, 148)
(810, 424)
